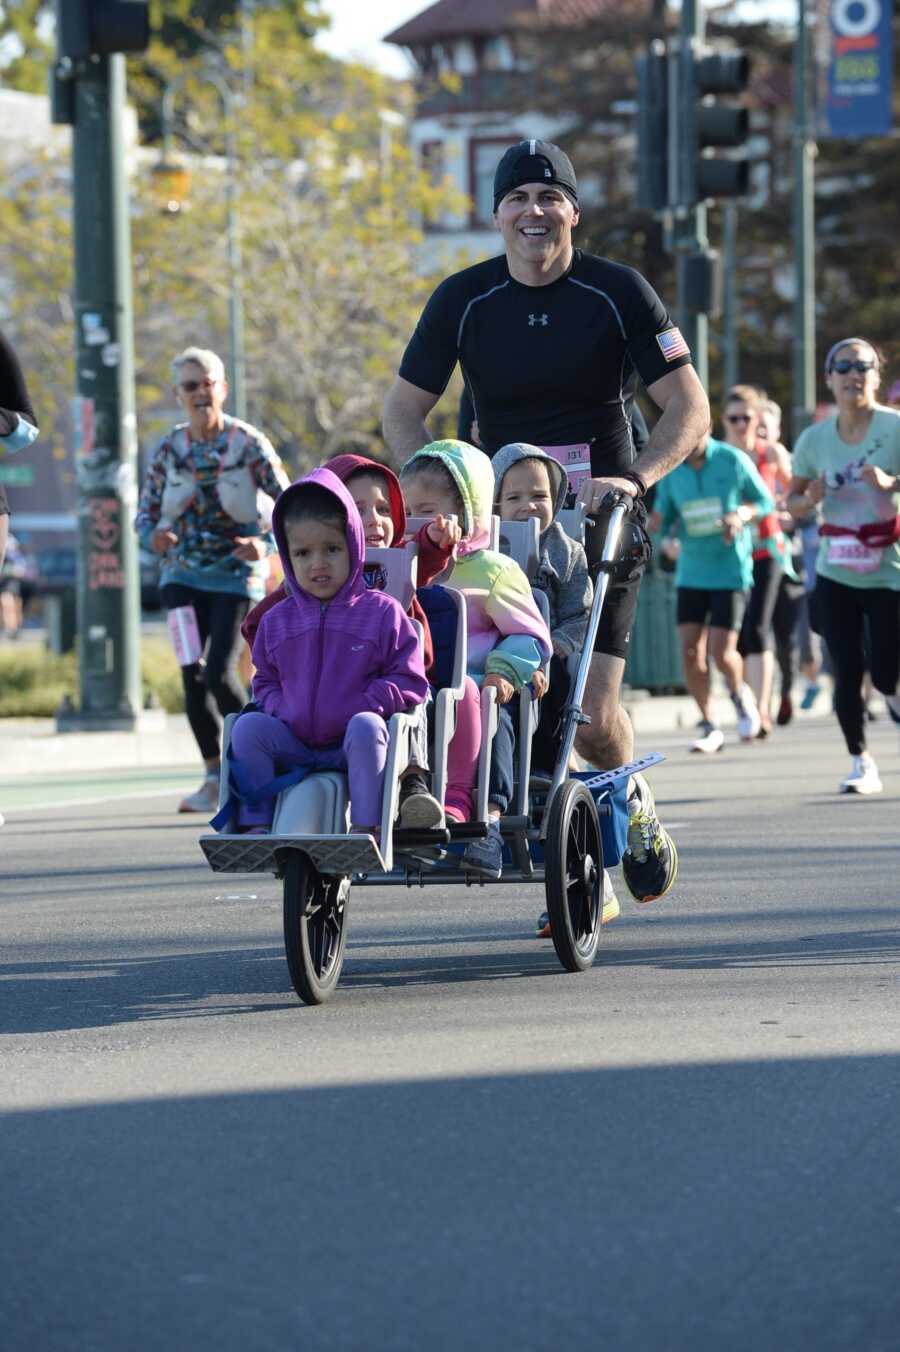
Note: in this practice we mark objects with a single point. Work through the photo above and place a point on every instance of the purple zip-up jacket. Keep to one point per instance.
(319, 663)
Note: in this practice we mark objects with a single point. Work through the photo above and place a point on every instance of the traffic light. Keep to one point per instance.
(100, 27)
(708, 124)
(653, 127)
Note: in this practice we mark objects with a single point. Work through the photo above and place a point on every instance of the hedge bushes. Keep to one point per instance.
(33, 681)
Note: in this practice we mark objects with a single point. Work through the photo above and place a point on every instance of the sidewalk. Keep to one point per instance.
(32, 746)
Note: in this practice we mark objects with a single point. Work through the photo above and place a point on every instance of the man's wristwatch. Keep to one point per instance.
(633, 477)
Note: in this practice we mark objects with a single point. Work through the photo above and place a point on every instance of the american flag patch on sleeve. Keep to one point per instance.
(672, 345)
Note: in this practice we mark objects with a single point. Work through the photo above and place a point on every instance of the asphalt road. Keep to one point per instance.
(693, 1146)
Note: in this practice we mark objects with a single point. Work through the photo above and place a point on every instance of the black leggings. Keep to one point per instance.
(756, 631)
(848, 616)
(785, 622)
(213, 681)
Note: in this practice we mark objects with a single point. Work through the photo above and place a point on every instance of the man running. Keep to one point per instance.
(551, 341)
(710, 500)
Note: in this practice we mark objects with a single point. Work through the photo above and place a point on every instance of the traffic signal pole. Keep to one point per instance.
(804, 151)
(689, 227)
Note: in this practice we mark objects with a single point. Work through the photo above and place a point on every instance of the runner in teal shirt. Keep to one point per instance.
(709, 502)
(714, 483)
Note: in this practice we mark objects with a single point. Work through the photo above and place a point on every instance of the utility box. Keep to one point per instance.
(654, 657)
(60, 620)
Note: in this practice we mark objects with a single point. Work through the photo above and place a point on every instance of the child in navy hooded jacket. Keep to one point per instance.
(333, 660)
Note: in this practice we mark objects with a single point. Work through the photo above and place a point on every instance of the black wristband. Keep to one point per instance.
(637, 480)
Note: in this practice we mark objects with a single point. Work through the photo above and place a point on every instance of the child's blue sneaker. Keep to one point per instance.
(485, 856)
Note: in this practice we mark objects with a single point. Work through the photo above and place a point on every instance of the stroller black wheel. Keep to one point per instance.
(315, 927)
(573, 856)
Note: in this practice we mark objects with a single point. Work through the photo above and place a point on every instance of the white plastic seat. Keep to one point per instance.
(398, 567)
(521, 541)
(572, 521)
(446, 698)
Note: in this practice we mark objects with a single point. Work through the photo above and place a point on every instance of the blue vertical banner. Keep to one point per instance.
(859, 73)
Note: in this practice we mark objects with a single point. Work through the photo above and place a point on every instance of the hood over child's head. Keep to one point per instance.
(528, 482)
(452, 478)
(375, 489)
(319, 534)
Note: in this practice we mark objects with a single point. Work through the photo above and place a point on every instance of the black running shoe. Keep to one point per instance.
(650, 862)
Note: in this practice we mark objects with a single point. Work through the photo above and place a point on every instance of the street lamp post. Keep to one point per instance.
(237, 366)
(804, 151)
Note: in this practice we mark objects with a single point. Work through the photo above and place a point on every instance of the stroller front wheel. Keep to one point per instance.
(315, 927)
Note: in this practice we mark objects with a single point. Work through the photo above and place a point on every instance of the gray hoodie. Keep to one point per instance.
(562, 573)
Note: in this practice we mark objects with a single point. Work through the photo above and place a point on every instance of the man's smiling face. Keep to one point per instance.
(536, 221)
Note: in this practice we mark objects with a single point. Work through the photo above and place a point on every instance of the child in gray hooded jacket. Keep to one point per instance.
(528, 482)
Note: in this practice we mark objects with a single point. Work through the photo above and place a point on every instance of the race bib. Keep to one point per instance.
(846, 552)
(575, 460)
(185, 635)
(702, 516)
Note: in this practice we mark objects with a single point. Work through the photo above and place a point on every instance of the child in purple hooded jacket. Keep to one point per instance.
(333, 660)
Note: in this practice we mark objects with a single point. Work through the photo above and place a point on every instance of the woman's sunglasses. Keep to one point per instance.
(189, 386)
(843, 366)
(738, 417)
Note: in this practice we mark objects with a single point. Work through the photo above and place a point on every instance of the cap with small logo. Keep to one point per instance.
(534, 162)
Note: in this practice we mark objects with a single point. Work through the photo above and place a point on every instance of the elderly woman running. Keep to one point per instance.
(205, 507)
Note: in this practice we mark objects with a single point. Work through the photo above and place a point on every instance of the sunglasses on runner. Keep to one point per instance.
(844, 365)
(190, 386)
(738, 417)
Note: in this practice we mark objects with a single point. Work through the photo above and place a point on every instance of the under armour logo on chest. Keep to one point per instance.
(538, 319)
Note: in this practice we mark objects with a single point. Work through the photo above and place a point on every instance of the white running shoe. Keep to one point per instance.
(863, 776)
(610, 901)
(748, 721)
(711, 739)
(206, 798)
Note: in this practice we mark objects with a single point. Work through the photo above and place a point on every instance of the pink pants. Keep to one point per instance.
(462, 756)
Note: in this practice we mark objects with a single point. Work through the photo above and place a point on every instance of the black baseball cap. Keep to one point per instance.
(534, 162)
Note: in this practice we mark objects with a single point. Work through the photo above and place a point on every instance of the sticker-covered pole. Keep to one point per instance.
(106, 433)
